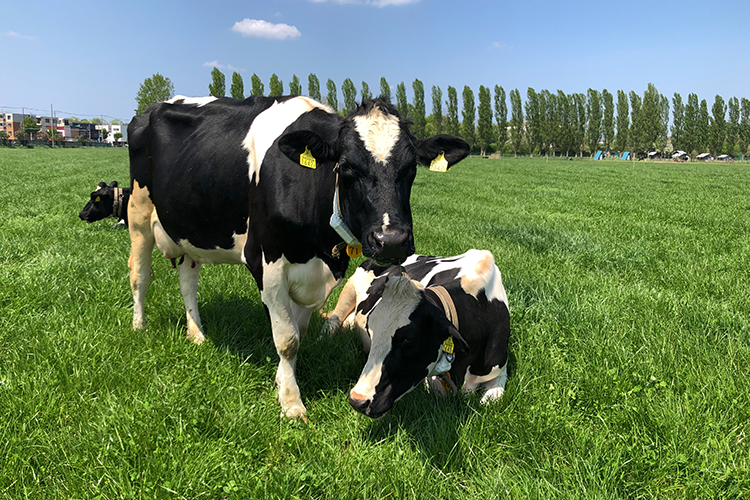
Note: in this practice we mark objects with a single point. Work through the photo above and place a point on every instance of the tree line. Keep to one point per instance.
(545, 123)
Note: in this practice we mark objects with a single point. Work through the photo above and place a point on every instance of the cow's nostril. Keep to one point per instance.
(358, 402)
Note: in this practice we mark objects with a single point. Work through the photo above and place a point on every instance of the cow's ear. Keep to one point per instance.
(458, 340)
(453, 148)
(443, 324)
(102, 185)
(113, 184)
(294, 144)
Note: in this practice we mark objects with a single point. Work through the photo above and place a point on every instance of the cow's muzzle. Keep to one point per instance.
(366, 406)
(390, 246)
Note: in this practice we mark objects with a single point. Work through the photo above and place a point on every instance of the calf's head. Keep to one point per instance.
(377, 161)
(407, 330)
(100, 205)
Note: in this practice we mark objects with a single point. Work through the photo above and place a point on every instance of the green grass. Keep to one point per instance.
(630, 349)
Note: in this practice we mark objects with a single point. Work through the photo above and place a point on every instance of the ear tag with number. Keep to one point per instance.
(448, 345)
(353, 251)
(439, 164)
(306, 159)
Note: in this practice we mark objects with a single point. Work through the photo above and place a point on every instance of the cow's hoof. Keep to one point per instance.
(294, 411)
(139, 324)
(196, 337)
(492, 395)
(329, 327)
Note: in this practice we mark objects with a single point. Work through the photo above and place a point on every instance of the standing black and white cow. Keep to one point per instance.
(445, 318)
(252, 182)
(107, 201)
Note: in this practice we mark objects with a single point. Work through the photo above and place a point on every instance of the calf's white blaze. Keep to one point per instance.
(269, 125)
(379, 132)
(400, 299)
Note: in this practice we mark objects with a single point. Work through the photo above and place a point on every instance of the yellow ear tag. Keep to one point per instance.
(439, 164)
(306, 159)
(97, 199)
(448, 345)
(353, 251)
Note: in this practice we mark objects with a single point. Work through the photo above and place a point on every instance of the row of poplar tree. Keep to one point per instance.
(547, 122)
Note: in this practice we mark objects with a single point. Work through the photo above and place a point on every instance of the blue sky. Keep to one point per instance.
(90, 59)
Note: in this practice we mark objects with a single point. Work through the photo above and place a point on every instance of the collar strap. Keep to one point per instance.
(448, 306)
(337, 222)
(117, 204)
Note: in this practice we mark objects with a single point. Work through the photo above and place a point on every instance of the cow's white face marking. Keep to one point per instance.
(379, 132)
(400, 299)
(386, 221)
(198, 101)
(269, 125)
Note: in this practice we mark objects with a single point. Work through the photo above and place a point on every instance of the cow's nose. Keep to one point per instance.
(389, 245)
(358, 402)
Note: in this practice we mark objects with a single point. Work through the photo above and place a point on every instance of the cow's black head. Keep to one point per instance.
(407, 332)
(101, 203)
(377, 159)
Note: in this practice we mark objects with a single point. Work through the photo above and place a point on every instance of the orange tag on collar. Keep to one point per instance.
(353, 251)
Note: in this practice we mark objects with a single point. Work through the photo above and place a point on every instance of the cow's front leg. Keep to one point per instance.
(286, 337)
(189, 272)
(344, 307)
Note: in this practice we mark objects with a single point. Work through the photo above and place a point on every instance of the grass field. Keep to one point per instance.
(630, 349)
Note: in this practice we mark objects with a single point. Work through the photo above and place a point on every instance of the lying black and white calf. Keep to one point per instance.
(444, 318)
(107, 201)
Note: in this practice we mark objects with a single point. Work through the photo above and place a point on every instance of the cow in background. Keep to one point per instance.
(283, 185)
(107, 201)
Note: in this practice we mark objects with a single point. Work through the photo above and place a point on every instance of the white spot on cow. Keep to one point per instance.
(492, 384)
(379, 132)
(198, 101)
(386, 221)
(400, 298)
(174, 249)
(269, 125)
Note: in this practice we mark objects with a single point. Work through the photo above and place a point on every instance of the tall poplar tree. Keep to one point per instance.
(623, 121)
(581, 121)
(257, 86)
(733, 130)
(608, 120)
(238, 86)
(275, 86)
(566, 122)
(691, 140)
(704, 127)
(552, 120)
(636, 126)
(313, 87)
(385, 89)
(744, 125)
(501, 117)
(516, 120)
(419, 119)
(650, 119)
(594, 112)
(718, 126)
(485, 134)
(678, 123)
(402, 104)
(366, 94)
(437, 109)
(468, 114)
(217, 87)
(333, 99)
(295, 87)
(534, 126)
(664, 123)
(350, 96)
(453, 125)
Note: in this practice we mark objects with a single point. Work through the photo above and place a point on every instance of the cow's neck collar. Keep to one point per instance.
(337, 221)
(117, 203)
(447, 350)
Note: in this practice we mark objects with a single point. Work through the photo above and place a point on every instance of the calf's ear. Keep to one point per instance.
(454, 148)
(294, 144)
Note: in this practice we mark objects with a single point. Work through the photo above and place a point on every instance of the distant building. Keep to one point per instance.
(704, 157)
(680, 155)
(112, 130)
(725, 157)
(12, 123)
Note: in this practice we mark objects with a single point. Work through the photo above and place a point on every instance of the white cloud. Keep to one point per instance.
(19, 35)
(374, 3)
(217, 64)
(264, 29)
(501, 46)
